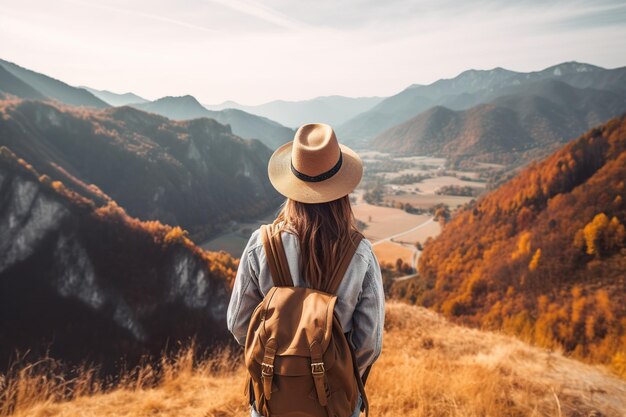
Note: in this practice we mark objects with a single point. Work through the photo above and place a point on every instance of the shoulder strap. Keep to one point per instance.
(343, 262)
(276, 258)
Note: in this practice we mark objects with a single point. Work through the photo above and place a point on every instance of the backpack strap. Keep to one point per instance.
(276, 258)
(341, 266)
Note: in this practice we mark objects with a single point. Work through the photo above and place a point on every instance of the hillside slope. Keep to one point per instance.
(429, 367)
(10, 84)
(194, 173)
(51, 88)
(246, 125)
(87, 283)
(528, 123)
(544, 255)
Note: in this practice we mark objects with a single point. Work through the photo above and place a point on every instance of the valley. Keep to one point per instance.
(394, 206)
(403, 201)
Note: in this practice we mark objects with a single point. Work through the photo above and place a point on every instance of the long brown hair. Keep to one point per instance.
(322, 230)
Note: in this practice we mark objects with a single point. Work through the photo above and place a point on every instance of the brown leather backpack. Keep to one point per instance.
(299, 360)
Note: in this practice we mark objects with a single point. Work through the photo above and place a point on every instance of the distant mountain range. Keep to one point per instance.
(543, 255)
(84, 283)
(243, 124)
(528, 122)
(27, 84)
(469, 89)
(333, 110)
(115, 99)
(195, 173)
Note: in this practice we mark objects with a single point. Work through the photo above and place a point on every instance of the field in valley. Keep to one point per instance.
(383, 222)
(411, 190)
(427, 201)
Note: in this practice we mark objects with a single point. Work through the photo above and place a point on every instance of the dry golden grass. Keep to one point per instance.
(183, 387)
(429, 367)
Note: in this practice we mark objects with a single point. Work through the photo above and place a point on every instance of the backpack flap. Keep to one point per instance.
(306, 320)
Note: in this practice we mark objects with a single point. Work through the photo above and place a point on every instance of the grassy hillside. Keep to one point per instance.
(195, 174)
(544, 255)
(83, 282)
(428, 367)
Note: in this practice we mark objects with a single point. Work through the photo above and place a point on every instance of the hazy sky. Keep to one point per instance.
(252, 51)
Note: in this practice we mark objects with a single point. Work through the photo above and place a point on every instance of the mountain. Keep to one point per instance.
(176, 108)
(333, 110)
(585, 76)
(86, 283)
(243, 124)
(544, 255)
(115, 99)
(429, 367)
(511, 129)
(195, 174)
(471, 88)
(48, 87)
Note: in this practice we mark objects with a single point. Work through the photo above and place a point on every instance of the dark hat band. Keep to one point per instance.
(321, 177)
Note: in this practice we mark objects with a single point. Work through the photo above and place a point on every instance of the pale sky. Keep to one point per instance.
(255, 51)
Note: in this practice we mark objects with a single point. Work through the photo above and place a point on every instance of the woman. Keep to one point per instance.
(316, 174)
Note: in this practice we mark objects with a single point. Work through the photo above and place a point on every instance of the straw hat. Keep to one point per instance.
(314, 167)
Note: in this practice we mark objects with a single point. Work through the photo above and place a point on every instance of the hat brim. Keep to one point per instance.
(337, 186)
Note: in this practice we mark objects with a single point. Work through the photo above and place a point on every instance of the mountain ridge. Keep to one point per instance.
(243, 124)
(544, 114)
(116, 99)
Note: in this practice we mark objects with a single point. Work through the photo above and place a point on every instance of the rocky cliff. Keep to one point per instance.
(84, 282)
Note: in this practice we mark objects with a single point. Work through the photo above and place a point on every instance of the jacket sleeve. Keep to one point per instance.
(246, 295)
(368, 318)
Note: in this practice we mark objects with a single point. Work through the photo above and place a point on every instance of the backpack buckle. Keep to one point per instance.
(317, 368)
(267, 369)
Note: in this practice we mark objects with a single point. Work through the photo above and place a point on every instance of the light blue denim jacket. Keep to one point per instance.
(360, 299)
